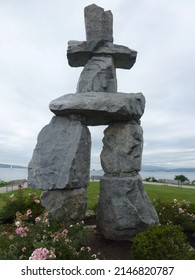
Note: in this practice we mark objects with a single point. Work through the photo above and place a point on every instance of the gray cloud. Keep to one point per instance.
(34, 70)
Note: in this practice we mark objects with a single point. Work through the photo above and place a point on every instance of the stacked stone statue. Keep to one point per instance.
(61, 160)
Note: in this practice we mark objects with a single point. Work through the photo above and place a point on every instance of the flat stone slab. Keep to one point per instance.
(78, 54)
(100, 108)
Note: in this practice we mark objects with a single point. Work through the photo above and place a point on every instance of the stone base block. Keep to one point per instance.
(66, 206)
(124, 208)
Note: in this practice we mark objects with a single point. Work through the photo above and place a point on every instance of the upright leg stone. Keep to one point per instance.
(61, 158)
(122, 150)
(60, 165)
(124, 208)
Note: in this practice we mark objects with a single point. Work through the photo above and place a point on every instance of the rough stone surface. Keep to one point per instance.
(122, 150)
(78, 54)
(124, 208)
(99, 74)
(100, 108)
(66, 206)
(98, 25)
(61, 158)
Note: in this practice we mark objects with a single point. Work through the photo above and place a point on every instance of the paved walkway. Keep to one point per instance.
(169, 185)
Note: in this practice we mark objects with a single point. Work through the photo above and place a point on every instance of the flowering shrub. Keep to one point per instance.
(20, 201)
(38, 239)
(177, 213)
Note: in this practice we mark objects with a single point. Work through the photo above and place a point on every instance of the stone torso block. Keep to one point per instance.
(99, 74)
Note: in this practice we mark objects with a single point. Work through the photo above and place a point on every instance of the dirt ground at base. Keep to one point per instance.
(109, 249)
(114, 250)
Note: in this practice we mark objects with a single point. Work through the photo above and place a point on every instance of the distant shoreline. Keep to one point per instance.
(2, 165)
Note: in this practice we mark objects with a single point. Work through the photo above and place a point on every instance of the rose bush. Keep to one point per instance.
(38, 239)
(176, 213)
(20, 201)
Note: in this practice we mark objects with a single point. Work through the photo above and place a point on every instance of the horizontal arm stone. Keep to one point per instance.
(78, 54)
(100, 108)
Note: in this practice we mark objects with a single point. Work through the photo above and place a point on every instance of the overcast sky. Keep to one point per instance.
(34, 70)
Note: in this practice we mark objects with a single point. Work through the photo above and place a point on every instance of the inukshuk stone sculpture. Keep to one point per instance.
(60, 163)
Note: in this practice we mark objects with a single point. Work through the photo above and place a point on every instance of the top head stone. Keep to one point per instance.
(98, 25)
(99, 33)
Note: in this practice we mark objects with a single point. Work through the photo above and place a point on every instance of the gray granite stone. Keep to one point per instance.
(100, 108)
(99, 34)
(124, 208)
(99, 74)
(61, 158)
(98, 25)
(67, 206)
(78, 54)
(122, 149)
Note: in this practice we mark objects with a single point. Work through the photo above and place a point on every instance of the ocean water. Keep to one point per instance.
(9, 174)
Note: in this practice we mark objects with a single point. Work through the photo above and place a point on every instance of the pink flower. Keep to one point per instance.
(22, 231)
(39, 254)
(28, 212)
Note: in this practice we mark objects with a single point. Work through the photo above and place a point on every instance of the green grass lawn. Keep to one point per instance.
(3, 184)
(165, 193)
(93, 194)
(168, 193)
